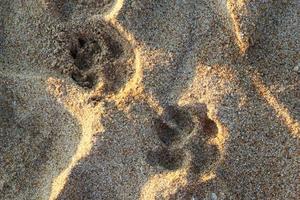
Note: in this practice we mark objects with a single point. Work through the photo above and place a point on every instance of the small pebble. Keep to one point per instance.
(297, 68)
(194, 198)
(213, 196)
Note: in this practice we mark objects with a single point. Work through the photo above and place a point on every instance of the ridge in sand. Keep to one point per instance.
(148, 99)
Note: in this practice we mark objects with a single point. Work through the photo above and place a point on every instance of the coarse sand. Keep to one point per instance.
(149, 99)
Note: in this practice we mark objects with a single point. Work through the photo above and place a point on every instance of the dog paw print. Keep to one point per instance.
(96, 56)
(93, 54)
(184, 133)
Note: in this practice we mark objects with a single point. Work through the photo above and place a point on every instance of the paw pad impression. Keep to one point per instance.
(183, 133)
(95, 55)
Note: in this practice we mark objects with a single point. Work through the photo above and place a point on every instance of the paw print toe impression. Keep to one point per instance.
(87, 48)
(166, 158)
(84, 53)
(95, 57)
(184, 136)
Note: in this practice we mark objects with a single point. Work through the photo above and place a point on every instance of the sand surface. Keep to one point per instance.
(149, 99)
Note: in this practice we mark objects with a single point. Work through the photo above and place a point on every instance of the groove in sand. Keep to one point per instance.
(242, 40)
(88, 116)
(281, 111)
(88, 120)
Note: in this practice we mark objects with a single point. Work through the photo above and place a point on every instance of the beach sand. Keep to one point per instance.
(149, 99)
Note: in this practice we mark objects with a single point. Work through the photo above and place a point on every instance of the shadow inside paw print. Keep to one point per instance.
(165, 133)
(166, 158)
(209, 127)
(179, 119)
(84, 53)
(185, 131)
(95, 56)
(203, 156)
(174, 124)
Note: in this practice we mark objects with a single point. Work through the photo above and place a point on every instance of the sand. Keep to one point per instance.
(144, 99)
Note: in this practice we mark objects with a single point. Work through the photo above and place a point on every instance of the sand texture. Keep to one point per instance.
(149, 99)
